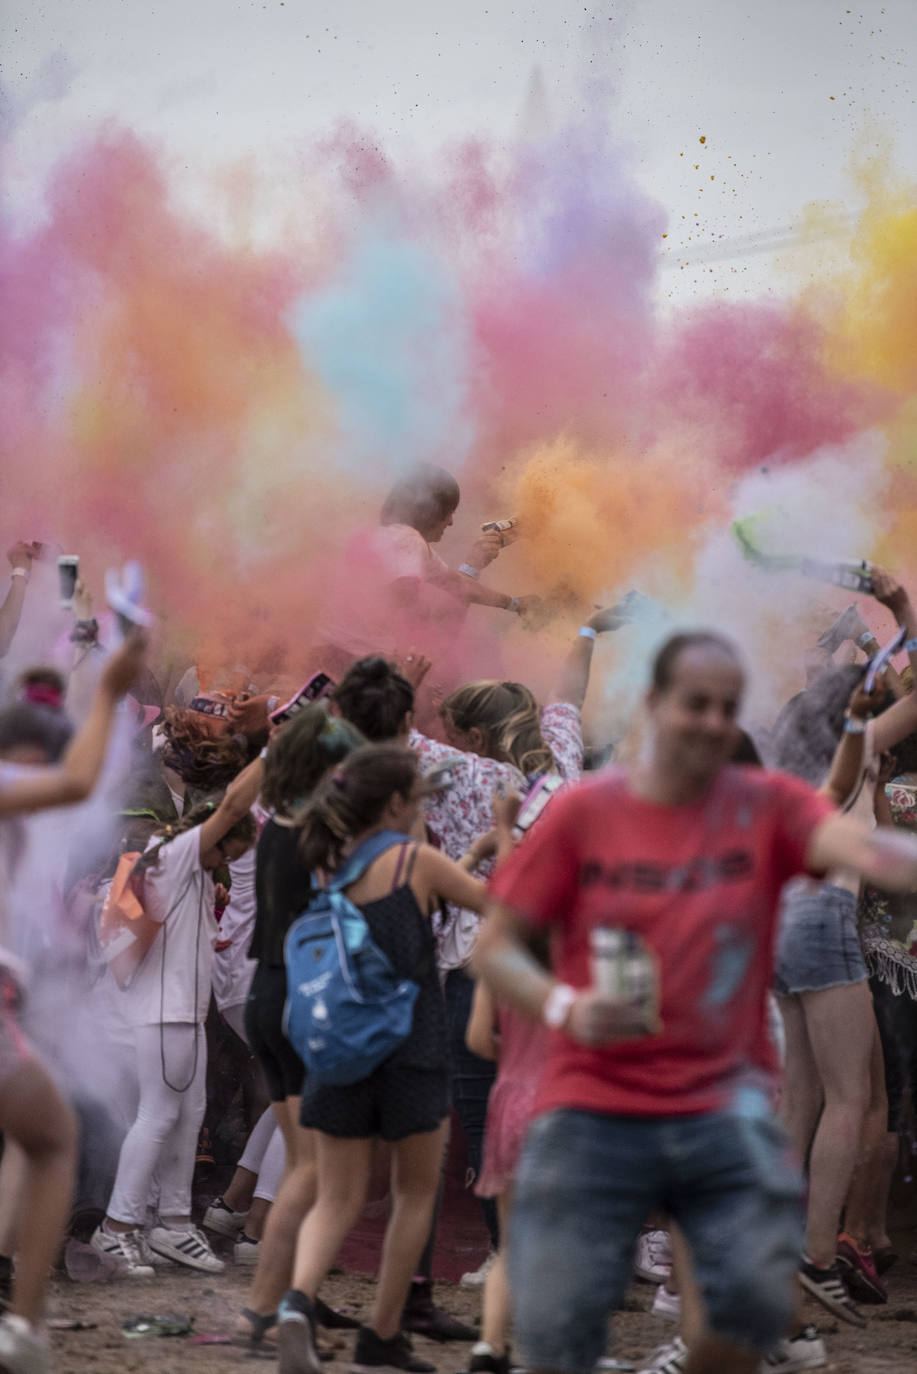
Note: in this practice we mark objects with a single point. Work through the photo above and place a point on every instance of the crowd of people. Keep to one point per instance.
(668, 1001)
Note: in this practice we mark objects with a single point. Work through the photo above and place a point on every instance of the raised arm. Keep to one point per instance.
(75, 777)
(238, 799)
(848, 756)
(20, 558)
(899, 720)
(573, 681)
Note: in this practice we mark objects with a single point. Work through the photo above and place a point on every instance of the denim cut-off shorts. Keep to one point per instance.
(817, 945)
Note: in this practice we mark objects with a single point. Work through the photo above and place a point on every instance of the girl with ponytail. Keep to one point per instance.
(406, 1100)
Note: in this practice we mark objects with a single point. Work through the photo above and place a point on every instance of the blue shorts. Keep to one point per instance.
(818, 945)
(588, 1182)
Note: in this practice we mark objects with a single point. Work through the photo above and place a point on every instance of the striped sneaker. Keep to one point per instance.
(185, 1245)
(827, 1287)
(125, 1249)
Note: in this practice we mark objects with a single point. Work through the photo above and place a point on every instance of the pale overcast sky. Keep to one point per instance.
(783, 92)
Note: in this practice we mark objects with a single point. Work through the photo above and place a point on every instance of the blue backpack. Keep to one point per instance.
(346, 1011)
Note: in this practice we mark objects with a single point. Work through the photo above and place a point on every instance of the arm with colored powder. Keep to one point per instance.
(75, 777)
(573, 682)
(20, 558)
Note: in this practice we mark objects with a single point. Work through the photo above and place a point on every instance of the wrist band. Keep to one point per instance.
(514, 606)
(84, 632)
(865, 638)
(556, 1009)
(20, 572)
(910, 646)
(586, 632)
(469, 571)
(853, 725)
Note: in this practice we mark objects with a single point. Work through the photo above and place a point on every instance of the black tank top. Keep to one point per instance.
(405, 936)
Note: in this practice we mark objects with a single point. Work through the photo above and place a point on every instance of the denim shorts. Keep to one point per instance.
(818, 945)
(587, 1183)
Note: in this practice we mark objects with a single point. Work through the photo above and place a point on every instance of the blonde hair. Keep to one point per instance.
(507, 715)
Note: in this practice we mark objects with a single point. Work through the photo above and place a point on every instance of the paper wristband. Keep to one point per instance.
(469, 571)
(586, 632)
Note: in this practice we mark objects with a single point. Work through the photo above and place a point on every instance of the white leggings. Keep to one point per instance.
(162, 1143)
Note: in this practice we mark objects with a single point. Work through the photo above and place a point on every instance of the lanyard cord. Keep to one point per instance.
(162, 986)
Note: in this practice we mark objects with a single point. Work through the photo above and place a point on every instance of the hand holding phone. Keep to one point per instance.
(68, 571)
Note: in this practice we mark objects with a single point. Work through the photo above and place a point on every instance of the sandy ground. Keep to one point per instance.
(887, 1346)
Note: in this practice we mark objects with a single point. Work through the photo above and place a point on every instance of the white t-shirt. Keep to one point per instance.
(12, 848)
(233, 971)
(172, 983)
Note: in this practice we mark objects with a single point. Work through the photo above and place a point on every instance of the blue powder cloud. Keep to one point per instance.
(388, 340)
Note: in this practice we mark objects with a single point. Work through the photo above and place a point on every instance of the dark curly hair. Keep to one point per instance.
(202, 760)
(301, 752)
(375, 698)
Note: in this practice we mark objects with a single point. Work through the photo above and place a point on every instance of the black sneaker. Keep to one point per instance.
(424, 1318)
(296, 1335)
(372, 1354)
(827, 1287)
(331, 1319)
(485, 1360)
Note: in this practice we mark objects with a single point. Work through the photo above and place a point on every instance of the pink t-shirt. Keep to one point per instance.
(699, 884)
(363, 611)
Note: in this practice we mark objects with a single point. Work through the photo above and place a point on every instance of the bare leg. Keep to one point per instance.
(841, 1025)
(867, 1196)
(801, 1101)
(713, 1356)
(496, 1310)
(295, 1196)
(877, 1235)
(13, 1174)
(416, 1162)
(33, 1113)
(239, 1194)
(343, 1178)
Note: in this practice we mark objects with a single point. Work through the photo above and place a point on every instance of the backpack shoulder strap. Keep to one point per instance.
(356, 864)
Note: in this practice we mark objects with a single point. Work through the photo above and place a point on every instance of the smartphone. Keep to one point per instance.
(535, 802)
(499, 526)
(882, 659)
(206, 706)
(442, 776)
(318, 686)
(68, 571)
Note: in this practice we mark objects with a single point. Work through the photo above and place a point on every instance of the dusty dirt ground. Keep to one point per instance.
(887, 1346)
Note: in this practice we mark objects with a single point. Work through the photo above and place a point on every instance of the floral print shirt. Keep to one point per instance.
(456, 816)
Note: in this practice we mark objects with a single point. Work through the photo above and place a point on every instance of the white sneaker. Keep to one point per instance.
(246, 1250)
(803, 1351)
(222, 1219)
(668, 1359)
(128, 1250)
(23, 1350)
(478, 1277)
(666, 1304)
(186, 1245)
(653, 1257)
